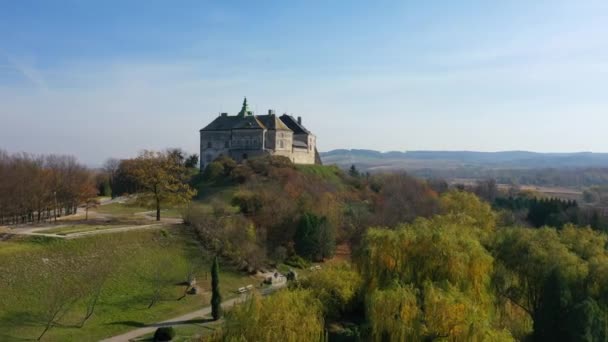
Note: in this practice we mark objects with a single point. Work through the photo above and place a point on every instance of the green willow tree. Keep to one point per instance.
(290, 315)
(216, 296)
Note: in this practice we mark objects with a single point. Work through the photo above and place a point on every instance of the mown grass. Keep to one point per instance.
(129, 210)
(123, 304)
(77, 228)
(196, 328)
(120, 209)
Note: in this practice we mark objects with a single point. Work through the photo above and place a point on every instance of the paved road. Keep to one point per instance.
(133, 334)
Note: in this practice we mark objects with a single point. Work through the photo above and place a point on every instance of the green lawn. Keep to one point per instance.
(78, 228)
(129, 210)
(120, 209)
(199, 327)
(139, 257)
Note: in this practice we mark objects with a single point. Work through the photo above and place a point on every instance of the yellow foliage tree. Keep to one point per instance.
(466, 203)
(394, 314)
(290, 316)
(336, 286)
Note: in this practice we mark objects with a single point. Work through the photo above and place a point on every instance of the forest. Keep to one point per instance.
(426, 262)
(35, 188)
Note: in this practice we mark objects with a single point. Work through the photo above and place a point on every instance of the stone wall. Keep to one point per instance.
(241, 144)
(213, 144)
(302, 156)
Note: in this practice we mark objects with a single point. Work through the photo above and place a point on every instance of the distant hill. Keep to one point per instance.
(370, 160)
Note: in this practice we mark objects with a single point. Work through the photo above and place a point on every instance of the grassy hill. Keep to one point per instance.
(144, 263)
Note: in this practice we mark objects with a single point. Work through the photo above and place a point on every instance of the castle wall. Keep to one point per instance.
(247, 139)
(279, 141)
(241, 144)
(302, 156)
(213, 144)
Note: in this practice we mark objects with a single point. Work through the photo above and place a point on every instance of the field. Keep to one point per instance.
(145, 263)
(185, 332)
(121, 209)
(78, 228)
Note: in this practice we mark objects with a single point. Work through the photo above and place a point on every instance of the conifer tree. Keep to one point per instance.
(216, 297)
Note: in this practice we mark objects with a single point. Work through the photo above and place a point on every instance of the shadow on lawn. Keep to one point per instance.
(164, 324)
(129, 323)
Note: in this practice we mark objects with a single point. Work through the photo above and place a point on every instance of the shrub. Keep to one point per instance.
(164, 334)
(297, 261)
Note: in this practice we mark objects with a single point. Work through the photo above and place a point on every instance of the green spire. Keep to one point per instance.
(245, 109)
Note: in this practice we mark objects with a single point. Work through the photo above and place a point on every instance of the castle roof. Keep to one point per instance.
(246, 120)
(271, 121)
(293, 124)
(225, 123)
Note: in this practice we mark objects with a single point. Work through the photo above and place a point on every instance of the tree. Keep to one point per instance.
(290, 315)
(336, 286)
(192, 161)
(162, 179)
(216, 296)
(314, 238)
(111, 167)
(353, 172)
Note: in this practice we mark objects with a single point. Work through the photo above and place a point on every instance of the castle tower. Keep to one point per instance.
(245, 109)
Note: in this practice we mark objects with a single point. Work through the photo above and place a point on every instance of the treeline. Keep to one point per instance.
(36, 188)
(569, 177)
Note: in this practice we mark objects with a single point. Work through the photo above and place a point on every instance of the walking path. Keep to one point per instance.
(184, 319)
(39, 231)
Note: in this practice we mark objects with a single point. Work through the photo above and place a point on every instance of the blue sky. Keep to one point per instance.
(102, 79)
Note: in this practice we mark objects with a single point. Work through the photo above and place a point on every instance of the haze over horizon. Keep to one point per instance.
(109, 79)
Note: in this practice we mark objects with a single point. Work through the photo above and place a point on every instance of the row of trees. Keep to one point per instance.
(35, 188)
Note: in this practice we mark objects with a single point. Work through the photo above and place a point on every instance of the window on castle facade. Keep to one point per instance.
(227, 144)
(209, 145)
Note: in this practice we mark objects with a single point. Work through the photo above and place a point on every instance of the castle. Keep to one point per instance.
(246, 135)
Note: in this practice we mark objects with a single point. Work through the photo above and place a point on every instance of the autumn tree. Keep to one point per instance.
(162, 179)
(294, 315)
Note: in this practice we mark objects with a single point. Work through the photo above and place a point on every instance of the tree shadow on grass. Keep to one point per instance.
(163, 324)
(129, 323)
(6, 337)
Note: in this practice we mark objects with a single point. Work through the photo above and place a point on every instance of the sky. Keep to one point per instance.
(100, 79)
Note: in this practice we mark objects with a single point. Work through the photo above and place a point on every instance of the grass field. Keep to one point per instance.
(140, 258)
(198, 327)
(78, 228)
